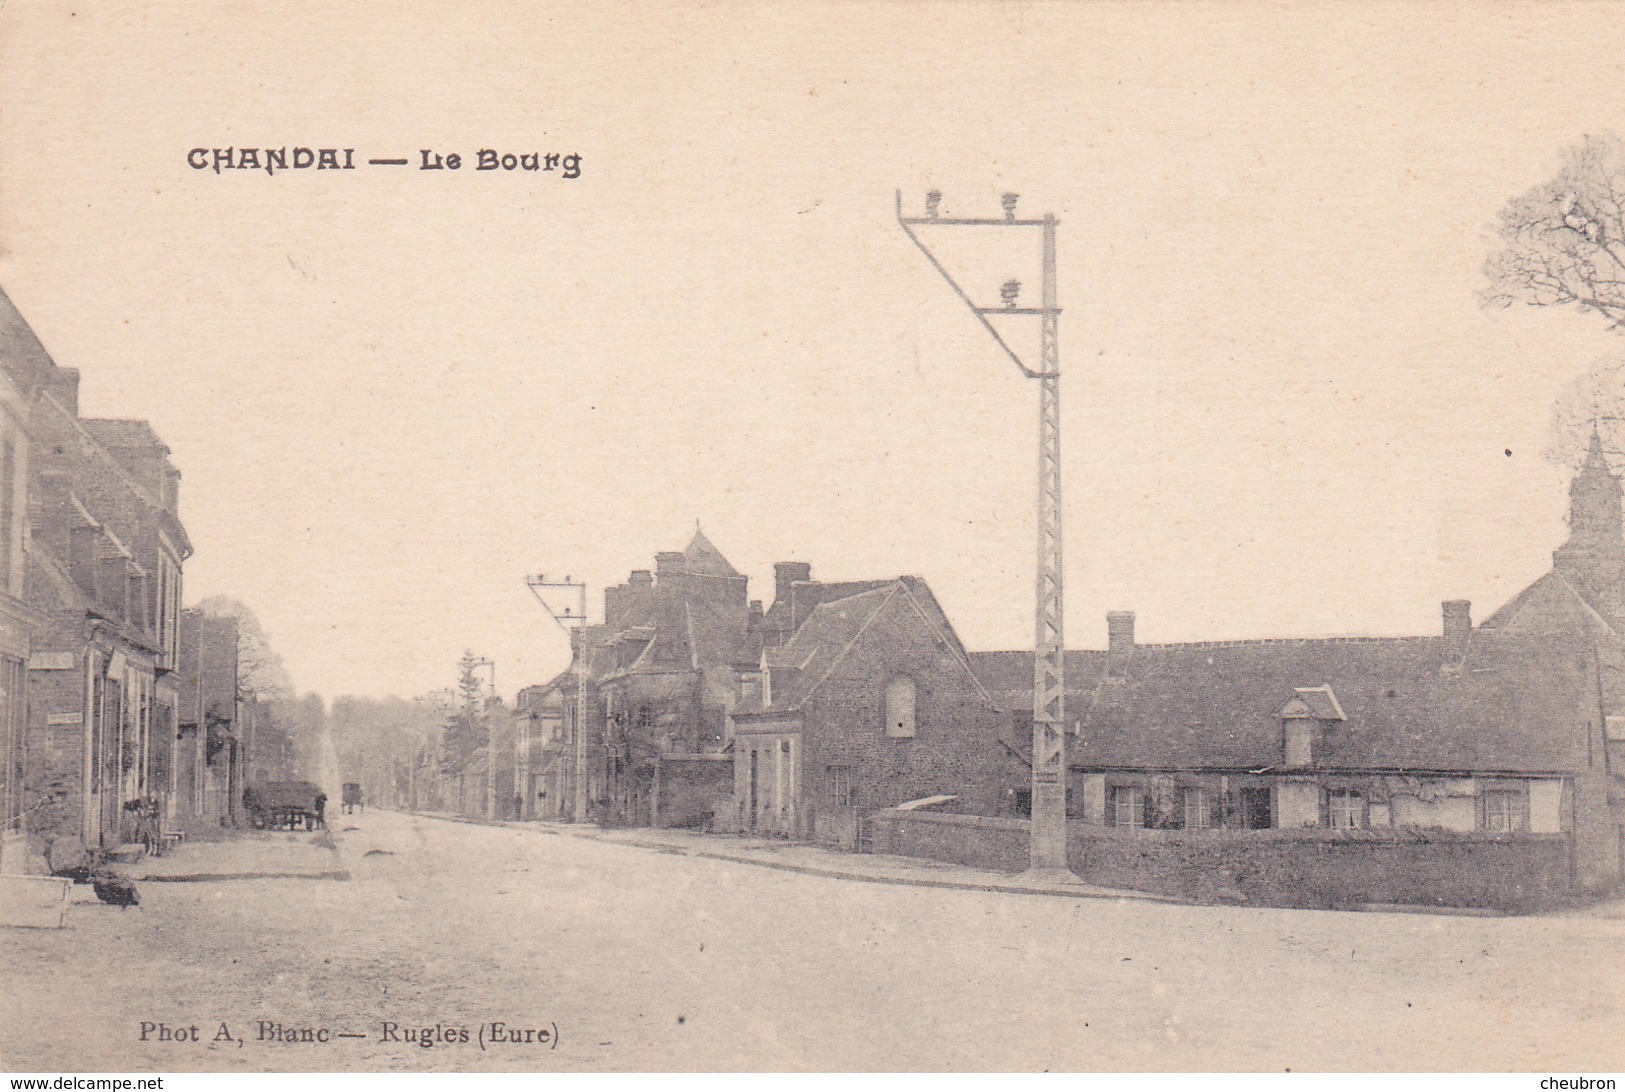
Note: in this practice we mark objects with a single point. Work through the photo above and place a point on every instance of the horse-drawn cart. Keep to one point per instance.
(285, 805)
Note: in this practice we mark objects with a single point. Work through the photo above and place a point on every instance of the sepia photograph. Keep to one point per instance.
(546, 538)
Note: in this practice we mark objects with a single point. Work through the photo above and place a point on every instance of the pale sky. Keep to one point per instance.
(393, 393)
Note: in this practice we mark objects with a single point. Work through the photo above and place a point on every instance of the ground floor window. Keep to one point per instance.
(1501, 810)
(1345, 809)
(1196, 809)
(1128, 806)
(1250, 809)
(839, 792)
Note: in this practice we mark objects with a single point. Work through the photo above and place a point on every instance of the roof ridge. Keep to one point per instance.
(1235, 642)
(841, 655)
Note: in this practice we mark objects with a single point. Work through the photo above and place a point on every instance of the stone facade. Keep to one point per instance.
(870, 703)
(24, 370)
(94, 558)
(210, 772)
(663, 673)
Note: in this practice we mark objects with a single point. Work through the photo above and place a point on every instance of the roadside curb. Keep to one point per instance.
(337, 868)
(214, 877)
(1085, 892)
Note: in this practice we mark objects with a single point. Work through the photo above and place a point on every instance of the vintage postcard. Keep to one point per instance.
(818, 537)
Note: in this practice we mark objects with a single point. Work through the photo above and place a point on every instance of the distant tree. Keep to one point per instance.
(1563, 242)
(378, 741)
(261, 675)
(1593, 401)
(1563, 245)
(465, 732)
(302, 722)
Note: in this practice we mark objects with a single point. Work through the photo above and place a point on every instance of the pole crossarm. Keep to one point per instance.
(981, 313)
(983, 221)
(572, 618)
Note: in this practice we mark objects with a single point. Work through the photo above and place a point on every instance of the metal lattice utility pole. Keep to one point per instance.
(566, 603)
(1047, 839)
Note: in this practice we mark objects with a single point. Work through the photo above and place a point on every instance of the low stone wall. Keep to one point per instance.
(1302, 868)
(979, 841)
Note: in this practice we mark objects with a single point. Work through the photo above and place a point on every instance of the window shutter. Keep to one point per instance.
(1325, 808)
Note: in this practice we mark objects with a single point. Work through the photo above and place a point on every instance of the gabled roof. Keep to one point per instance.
(1555, 584)
(21, 354)
(122, 433)
(1515, 703)
(1008, 676)
(821, 642)
(1312, 702)
(701, 558)
(687, 636)
(788, 612)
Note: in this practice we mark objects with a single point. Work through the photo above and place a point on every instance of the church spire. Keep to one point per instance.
(1594, 500)
(1593, 559)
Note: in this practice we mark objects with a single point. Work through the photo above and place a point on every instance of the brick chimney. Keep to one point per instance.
(614, 604)
(786, 573)
(1119, 641)
(1458, 628)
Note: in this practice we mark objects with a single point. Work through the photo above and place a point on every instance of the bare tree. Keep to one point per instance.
(1563, 242)
(261, 675)
(1594, 401)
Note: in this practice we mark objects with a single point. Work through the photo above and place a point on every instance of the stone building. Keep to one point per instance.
(25, 368)
(1449, 763)
(104, 575)
(869, 702)
(1476, 766)
(664, 673)
(210, 744)
(541, 766)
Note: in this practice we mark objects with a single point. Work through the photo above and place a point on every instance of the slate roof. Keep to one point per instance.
(700, 558)
(1515, 704)
(1008, 676)
(829, 631)
(662, 632)
(687, 634)
(822, 640)
(1554, 582)
(788, 612)
(121, 433)
(1317, 702)
(23, 356)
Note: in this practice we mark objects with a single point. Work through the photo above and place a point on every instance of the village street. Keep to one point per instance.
(643, 960)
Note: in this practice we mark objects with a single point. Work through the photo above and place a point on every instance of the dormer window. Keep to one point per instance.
(1304, 720)
(900, 707)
